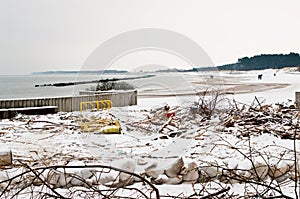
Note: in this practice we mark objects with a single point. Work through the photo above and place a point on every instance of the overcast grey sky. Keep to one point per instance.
(39, 35)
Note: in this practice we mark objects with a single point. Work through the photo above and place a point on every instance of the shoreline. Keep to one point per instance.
(236, 89)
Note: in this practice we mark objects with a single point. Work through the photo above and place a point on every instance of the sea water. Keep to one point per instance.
(23, 86)
(162, 84)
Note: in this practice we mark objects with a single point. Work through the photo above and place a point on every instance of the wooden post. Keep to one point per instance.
(297, 95)
(5, 158)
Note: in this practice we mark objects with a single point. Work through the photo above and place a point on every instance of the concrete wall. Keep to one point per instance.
(297, 95)
(67, 104)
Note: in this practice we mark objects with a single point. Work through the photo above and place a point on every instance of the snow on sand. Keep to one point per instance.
(64, 143)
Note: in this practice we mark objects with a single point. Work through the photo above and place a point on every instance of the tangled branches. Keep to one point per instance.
(207, 103)
(89, 181)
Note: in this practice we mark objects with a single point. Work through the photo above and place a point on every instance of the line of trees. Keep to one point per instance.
(257, 62)
(264, 61)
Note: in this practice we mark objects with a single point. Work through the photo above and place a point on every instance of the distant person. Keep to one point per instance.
(274, 74)
(259, 76)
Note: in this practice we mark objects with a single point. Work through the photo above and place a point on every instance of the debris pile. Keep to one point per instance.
(216, 136)
(52, 123)
(102, 122)
(281, 120)
(163, 120)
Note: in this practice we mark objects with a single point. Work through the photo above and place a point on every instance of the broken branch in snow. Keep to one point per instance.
(216, 194)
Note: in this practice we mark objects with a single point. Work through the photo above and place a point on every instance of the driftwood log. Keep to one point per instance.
(5, 158)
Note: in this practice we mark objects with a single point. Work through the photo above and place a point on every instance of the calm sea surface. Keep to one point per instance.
(24, 86)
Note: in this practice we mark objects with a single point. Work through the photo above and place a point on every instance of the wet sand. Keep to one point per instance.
(225, 84)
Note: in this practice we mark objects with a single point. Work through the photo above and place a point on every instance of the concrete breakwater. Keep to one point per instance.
(72, 103)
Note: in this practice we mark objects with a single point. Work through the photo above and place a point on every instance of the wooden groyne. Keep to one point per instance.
(72, 103)
(61, 84)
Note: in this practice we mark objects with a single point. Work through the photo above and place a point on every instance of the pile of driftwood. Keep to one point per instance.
(99, 123)
(163, 121)
(281, 120)
(41, 123)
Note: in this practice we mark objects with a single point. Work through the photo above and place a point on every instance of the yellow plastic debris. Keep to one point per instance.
(100, 125)
(111, 129)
